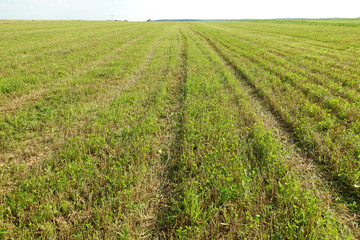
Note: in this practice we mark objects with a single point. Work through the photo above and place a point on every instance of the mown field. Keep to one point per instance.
(176, 130)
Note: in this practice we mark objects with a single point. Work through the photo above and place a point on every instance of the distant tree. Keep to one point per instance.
(149, 20)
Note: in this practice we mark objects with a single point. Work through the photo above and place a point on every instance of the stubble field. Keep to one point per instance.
(180, 130)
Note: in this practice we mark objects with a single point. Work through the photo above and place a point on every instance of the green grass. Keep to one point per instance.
(326, 124)
(202, 130)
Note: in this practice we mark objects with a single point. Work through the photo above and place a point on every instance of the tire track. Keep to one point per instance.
(162, 225)
(303, 162)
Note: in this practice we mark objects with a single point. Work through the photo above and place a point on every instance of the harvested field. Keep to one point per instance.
(180, 130)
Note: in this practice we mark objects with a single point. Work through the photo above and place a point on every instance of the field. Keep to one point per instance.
(180, 130)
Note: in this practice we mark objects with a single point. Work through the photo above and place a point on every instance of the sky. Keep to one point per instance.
(141, 10)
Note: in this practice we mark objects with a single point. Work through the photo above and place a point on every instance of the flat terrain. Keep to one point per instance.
(179, 130)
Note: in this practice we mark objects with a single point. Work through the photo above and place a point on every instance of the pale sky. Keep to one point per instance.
(140, 10)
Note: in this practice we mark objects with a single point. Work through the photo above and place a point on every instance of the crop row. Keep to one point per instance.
(332, 138)
(162, 131)
(100, 175)
(232, 179)
(30, 67)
